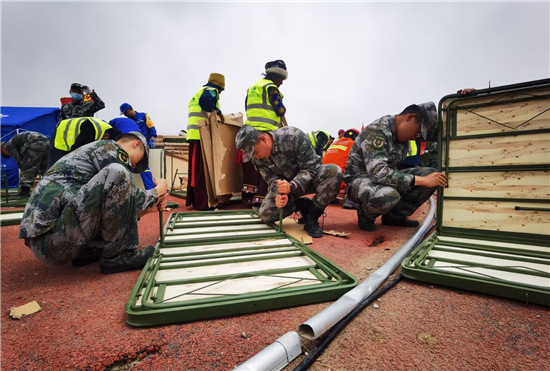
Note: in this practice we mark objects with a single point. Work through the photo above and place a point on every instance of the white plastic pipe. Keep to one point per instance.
(289, 346)
(323, 321)
(276, 356)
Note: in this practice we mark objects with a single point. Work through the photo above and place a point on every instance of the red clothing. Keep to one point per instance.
(338, 154)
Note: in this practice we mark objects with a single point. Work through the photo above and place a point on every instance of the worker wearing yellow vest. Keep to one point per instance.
(320, 140)
(413, 155)
(205, 101)
(73, 133)
(265, 111)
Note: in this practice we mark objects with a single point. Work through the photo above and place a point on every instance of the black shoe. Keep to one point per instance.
(388, 220)
(128, 260)
(303, 204)
(311, 225)
(86, 257)
(349, 204)
(366, 225)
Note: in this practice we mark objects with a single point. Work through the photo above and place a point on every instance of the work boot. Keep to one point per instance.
(311, 225)
(303, 204)
(349, 204)
(88, 256)
(129, 259)
(367, 225)
(24, 191)
(405, 222)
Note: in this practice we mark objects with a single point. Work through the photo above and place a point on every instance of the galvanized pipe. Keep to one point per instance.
(285, 349)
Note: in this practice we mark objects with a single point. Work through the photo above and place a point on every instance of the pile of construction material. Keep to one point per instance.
(224, 175)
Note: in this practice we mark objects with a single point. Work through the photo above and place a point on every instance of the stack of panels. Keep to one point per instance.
(214, 264)
(494, 215)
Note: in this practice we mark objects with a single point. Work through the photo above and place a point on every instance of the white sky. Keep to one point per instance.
(348, 63)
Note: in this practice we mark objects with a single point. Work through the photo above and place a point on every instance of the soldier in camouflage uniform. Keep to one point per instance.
(30, 151)
(372, 176)
(86, 207)
(287, 162)
(78, 107)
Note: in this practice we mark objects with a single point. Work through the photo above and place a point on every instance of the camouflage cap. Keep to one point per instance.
(429, 122)
(245, 140)
(144, 163)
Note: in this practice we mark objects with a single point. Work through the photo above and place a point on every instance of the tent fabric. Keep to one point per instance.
(15, 120)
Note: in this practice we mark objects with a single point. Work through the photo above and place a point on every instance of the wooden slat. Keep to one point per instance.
(167, 275)
(529, 149)
(230, 257)
(495, 261)
(509, 117)
(496, 216)
(192, 237)
(506, 245)
(509, 184)
(211, 289)
(169, 251)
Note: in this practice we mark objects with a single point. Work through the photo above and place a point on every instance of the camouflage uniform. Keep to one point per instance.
(293, 158)
(30, 151)
(373, 179)
(81, 108)
(87, 200)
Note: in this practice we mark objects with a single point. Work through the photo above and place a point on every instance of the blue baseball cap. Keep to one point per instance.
(124, 107)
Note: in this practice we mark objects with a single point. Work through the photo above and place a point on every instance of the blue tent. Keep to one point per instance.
(15, 120)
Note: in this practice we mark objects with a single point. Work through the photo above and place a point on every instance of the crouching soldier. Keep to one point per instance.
(29, 149)
(86, 207)
(372, 174)
(287, 162)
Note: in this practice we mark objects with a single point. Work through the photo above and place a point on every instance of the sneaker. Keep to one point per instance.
(405, 222)
(366, 225)
(349, 204)
(128, 260)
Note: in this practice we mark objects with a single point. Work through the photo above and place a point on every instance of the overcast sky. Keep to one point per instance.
(348, 63)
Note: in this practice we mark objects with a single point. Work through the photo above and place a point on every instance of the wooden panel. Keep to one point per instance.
(529, 149)
(500, 96)
(509, 184)
(510, 117)
(496, 216)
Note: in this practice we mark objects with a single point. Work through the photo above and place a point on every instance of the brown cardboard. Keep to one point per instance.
(25, 310)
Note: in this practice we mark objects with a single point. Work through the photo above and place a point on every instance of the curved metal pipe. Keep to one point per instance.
(285, 349)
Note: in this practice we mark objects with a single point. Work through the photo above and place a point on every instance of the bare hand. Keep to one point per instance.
(434, 179)
(161, 203)
(161, 185)
(466, 90)
(281, 201)
(283, 187)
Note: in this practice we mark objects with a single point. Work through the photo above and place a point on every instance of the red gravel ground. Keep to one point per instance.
(417, 326)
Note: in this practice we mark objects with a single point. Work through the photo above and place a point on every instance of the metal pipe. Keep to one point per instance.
(277, 356)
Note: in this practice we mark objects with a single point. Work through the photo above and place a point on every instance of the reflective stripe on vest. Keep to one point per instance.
(196, 113)
(313, 137)
(67, 131)
(260, 114)
(413, 148)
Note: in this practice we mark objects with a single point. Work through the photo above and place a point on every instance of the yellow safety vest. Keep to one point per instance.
(67, 131)
(413, 148)
(196, 113)
(313, 137)
(260, 113)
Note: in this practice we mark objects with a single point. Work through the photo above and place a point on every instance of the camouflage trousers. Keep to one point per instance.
(325, 185)
(377, 199)
(33, 161)
(100, 218)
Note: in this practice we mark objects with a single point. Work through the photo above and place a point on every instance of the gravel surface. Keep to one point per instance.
(416, 326)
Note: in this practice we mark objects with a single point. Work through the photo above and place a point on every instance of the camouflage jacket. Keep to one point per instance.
(20, 143)
(82, 109)
(376, 154)
(292, 158)
(64, 179)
